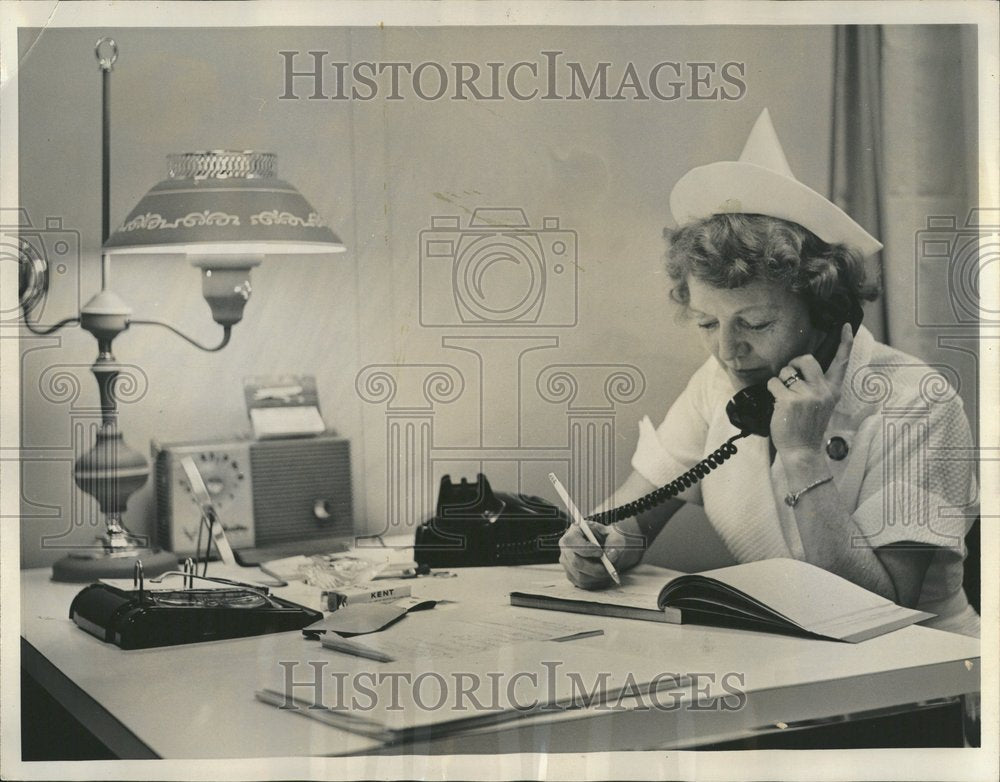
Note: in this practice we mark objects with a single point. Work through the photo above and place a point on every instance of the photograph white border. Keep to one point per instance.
(880, 764)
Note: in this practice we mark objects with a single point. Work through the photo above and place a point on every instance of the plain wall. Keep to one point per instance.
(378, 172)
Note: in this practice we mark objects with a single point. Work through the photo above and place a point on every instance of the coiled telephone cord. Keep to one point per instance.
(672, 489)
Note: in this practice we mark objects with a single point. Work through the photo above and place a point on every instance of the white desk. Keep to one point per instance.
(197, 701)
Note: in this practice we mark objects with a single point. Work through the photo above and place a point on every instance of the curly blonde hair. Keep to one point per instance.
(732, 250)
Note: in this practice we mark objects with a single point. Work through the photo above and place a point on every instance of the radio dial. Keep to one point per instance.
(221, 474)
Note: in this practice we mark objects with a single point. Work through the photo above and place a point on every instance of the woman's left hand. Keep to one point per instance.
(803, 406)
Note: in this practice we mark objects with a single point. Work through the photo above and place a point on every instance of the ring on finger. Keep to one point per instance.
(791, 379)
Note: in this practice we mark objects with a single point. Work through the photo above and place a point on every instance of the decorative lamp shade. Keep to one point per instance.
(224, 202)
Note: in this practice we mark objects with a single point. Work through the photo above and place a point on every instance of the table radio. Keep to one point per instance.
(267, 492)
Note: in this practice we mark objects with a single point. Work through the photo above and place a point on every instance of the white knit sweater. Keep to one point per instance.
(909, 475)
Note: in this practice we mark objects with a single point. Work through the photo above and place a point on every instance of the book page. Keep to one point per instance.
(813, 598)
(640, 589)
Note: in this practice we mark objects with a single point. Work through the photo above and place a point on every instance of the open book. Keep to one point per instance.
(775, 595)
(636, 598)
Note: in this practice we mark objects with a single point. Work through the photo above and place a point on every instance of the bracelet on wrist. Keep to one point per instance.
(792, 498)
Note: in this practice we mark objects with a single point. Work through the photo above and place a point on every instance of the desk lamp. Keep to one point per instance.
(223, 211)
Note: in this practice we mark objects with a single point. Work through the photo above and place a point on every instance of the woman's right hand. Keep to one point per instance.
(581, 559)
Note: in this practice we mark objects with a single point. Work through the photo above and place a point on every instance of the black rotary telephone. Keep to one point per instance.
(475, 526)
(750, 411)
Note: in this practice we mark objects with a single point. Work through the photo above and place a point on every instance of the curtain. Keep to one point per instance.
(904, 165)
(856, 155)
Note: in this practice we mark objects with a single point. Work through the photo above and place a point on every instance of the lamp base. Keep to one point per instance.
(79, 568)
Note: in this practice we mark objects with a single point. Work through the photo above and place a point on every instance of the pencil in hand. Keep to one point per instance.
(578, 519)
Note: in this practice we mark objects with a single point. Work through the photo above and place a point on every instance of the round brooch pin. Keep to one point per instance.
(836, 448)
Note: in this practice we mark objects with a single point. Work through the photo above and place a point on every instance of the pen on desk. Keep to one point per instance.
(587, 531)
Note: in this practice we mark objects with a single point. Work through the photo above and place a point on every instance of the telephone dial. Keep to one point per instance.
(475, 526)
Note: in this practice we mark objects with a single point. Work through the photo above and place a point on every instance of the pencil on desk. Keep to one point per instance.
(578, 636)
(338, 644)
(582, 523)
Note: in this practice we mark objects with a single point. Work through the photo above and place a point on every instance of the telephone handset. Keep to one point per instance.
(749, 411)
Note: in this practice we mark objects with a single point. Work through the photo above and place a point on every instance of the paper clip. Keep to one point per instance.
(137, 579)
(190, 571)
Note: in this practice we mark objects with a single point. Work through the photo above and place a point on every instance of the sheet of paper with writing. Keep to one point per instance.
(407, 699)
(427, 635)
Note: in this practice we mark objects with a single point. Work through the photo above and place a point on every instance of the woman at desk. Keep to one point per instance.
(770, 272)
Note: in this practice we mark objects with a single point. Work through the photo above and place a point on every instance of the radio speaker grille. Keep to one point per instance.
(163, 499)
(301, 489)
